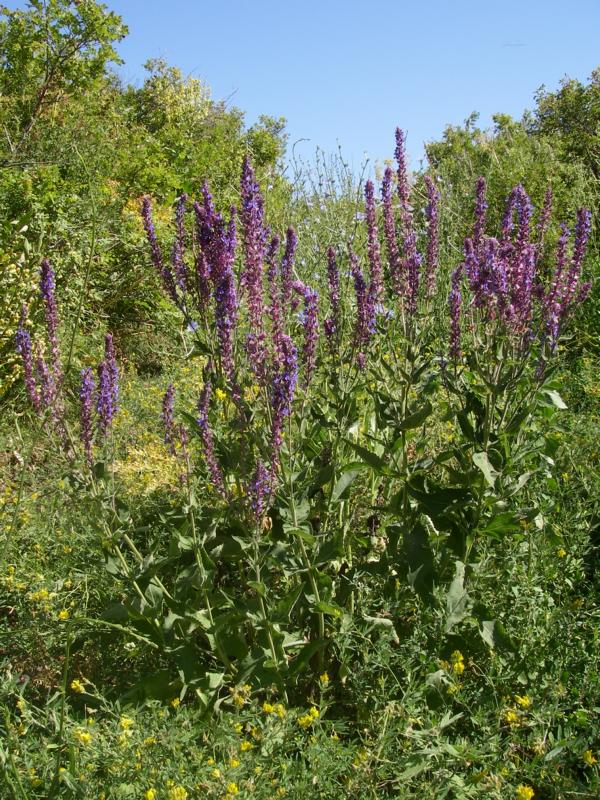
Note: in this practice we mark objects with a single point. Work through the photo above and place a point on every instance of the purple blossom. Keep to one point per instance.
(332, 325)
(86, 409)
(23, 346)
(310, 323)
(389, 230)
(167, 418)
(376, 275)
(212, 464)
(162, 270)
(254, 239)
(47, 287)
(411, 260)
(259, 490)
(105, 400)
(282, 391)
(365, 323)
(177, 256)
(433, 234)
(481, 207)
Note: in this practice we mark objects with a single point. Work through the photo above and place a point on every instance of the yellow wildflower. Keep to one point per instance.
(210, 761)
(175, 702)
(324, 679)
(268, 708)
(280, 710)
(126, 723)
(246, 746)
(63, 614)
(511, 717)
(177, 793)
(523, 700)
(561, 552)
(77, 686)
(220, 394)
(150, 794)
(21, 704)
(314, 712)
(588, 758)
(458, 662)
(524, 792)
(216, 773)
(238, 727)
(232, 788)
(82, 736)
(234, 762)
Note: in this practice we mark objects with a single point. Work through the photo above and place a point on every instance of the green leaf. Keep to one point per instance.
(416, 419)
(343, 482)
(555, 398)
(301, 533)
(370, 458)
(506, 522)
(457, 599)
(328, 608)
(259, 587)
(418, 557)
(482, 462)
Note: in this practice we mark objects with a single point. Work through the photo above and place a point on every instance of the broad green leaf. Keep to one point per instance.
(416, 419)
(482, 462)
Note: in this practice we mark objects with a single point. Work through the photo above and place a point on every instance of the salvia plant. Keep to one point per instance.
(378, 422)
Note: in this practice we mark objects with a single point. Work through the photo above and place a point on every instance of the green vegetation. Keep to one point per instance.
(354, 552)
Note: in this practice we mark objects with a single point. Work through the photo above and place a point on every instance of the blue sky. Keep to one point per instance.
(349, 72)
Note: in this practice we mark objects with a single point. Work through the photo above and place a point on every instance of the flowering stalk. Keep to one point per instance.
(86, 410)
(47, 287)
(167, 417)
(389, 230)
(433, 234)
(164, 273)
(411, 258)
(23, 346)
(214, 469)
(281, 393)
(332, 325)
(310, 323)
(376, 275)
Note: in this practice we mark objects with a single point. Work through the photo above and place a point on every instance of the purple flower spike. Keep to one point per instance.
(212, 464)
(254, 238)
(411, 258)
(168, 419)
(86, 410)
(310, 323)
(400, 155)
(332, 325)
(163, 271)
(389, 230)
(376, 275)
(455, 305)
(364, 325)
(259, 491)
(23, 346)
(481, 207)
(105, 401)
(433, 236)
(281, 394)
(47, 287)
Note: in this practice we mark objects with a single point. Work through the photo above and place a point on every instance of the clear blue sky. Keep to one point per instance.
(349, 72)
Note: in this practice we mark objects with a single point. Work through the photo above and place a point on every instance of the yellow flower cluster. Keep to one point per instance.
(524, 792)
(458, 662)
(278, 709)
(307, 720)
(148, 468)
(240, 695)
